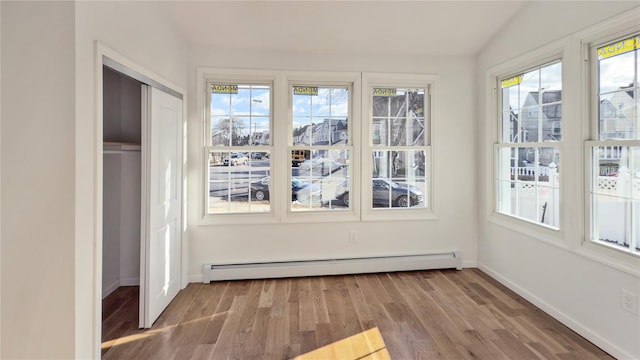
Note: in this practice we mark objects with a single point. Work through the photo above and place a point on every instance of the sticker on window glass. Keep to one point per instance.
(620, 47)
(305, 90)
(384, 92)
(516, 80)
(224, 89)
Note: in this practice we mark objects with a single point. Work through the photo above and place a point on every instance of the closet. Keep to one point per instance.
(122, 135)
(142, 126)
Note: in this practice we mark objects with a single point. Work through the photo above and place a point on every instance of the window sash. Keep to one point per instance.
(525, 189)
(613, 194)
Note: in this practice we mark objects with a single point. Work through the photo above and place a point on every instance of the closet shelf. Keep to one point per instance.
(109, 146)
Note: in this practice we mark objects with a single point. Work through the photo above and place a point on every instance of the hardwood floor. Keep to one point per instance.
(439, 314)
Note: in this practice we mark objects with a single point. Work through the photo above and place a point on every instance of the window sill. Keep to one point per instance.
(619, 260)
(399, 215)
(548, 235)
(238, 219)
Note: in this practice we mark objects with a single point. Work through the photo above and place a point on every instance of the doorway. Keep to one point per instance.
(141, 176)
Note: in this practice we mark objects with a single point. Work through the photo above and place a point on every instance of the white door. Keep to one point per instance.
(161, 245)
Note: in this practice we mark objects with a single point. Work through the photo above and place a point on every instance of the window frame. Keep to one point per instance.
(500, 144)
(206, 76)
(555, 51)
(352, 80)
(392, 80)
(607, 33)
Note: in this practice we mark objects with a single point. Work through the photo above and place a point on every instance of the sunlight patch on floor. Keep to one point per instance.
(367, 345)
(151, 332)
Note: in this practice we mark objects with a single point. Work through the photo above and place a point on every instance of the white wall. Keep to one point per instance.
(0, 184)
(38, 139)
(139, 32)
(555, 273)
(453, 169)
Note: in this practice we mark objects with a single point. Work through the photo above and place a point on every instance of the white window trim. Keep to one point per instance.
(428, 82)
(553, 52)
(590, 39)
(205, 75)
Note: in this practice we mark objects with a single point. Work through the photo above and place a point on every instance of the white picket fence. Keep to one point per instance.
(617, 199)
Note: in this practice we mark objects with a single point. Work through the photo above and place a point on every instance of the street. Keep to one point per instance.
(229, 186)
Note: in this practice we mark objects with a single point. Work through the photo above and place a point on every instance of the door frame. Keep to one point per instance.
(105, 55)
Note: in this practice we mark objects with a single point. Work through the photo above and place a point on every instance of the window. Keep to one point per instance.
(528, 149)
(321, 150)
(238, 150)
(615, 155)
(291, 146)
(399, 146)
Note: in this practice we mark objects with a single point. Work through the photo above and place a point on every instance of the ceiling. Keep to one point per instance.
(343, 27)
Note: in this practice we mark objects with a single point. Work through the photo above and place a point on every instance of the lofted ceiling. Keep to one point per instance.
(343, 27)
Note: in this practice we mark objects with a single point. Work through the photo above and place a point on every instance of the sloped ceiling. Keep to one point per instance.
(343, 27)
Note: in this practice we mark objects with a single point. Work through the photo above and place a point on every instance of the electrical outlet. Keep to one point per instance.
(629, 301)
(353, 237)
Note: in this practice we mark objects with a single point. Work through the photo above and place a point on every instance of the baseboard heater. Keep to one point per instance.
(214, 272)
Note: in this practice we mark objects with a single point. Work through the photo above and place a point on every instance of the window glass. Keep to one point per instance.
(616, 197)
(398, 117)
(238, 153)
(320, 115)
(399, 179)
(321, 151)
(528, 157)
(618, 90)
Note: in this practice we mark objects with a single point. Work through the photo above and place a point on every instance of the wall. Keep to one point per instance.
(453, 170)
(122, 109)
(38, 139)
(555, 273)
(139, 32)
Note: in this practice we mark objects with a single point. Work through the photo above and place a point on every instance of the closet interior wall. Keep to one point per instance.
(122, 111)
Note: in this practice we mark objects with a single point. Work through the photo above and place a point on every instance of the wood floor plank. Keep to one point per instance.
(439, 314)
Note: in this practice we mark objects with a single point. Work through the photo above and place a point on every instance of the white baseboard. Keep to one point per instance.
(133, 281)
(568, 321)
(120, 282)
(106, 291)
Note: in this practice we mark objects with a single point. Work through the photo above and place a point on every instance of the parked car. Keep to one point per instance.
(385, 193)
(302, 192)
(235, 159)
(259, 155)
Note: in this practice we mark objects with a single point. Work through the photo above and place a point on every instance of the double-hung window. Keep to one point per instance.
(397, 175)
(238, 146)
(614, 171)
(529, 142)
(321, 150)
